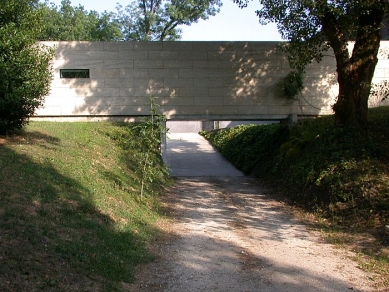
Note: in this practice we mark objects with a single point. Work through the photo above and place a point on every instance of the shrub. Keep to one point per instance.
(25, 75)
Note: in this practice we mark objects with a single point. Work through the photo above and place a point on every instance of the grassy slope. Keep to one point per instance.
(70, 215)
(341, 175)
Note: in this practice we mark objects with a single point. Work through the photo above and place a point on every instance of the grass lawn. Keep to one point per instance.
(71, 217)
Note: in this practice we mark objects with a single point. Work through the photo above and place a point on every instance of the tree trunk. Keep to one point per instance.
(355, 73)
(354, 81)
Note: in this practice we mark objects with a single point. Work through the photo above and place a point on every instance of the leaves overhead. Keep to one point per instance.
(74, 23)
(301, 21)
(159, 20)
(140, 20)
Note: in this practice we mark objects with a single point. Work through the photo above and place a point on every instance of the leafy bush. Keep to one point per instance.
(25, 75)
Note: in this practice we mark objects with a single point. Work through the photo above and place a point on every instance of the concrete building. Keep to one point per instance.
(207, 81)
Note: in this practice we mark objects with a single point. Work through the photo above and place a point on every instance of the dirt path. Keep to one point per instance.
(227, 235)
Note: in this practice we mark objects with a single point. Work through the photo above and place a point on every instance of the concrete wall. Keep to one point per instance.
(199, 80)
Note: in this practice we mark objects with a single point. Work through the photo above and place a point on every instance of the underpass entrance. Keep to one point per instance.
(192, 126)
(188, 154)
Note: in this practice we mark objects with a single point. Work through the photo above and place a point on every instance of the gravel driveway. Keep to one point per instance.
(229, 235)
(226, 233)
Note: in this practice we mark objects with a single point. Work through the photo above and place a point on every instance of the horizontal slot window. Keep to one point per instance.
(74, 73)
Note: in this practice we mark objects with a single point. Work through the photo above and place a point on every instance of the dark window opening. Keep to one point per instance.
(74, 73)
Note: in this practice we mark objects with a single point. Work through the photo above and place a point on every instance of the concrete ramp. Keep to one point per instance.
(190, 155)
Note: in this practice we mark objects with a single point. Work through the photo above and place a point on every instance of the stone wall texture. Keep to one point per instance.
(192, 80)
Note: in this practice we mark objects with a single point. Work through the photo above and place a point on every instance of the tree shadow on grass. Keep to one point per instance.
(53, 237)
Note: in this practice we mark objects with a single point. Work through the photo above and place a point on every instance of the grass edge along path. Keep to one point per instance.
(71, 218)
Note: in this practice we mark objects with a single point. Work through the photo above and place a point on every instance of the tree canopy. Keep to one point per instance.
(314, 26)
(74, 23)
(25, 74)
(141, 20)
(158, 20)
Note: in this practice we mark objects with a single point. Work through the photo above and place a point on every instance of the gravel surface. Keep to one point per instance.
(228, 235)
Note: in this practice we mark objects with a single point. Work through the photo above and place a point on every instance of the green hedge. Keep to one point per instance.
(317, 163)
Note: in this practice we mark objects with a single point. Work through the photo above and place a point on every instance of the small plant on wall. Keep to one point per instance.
(292, 84)
(151, 131)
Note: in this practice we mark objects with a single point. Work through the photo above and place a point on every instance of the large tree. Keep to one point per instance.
(74, 23)
(25, 73)
(314, 26)
(159, 20)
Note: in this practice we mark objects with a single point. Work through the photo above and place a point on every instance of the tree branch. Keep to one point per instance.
(337, 39)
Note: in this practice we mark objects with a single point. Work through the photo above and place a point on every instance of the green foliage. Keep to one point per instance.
(25, 74)
(340, 170)
(74, 23)
(159, 20)
(292, 84)
(138, 21)
(150, 133)
(302, 24)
